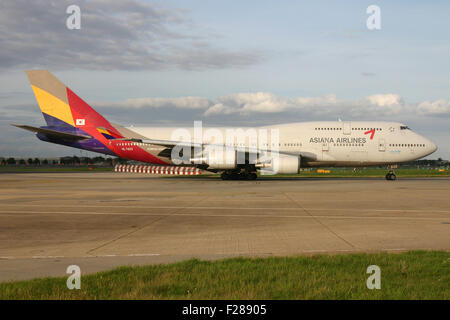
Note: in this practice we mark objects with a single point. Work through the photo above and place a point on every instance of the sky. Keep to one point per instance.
(237, 63)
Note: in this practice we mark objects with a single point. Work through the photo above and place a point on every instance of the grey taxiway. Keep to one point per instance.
(102, 220)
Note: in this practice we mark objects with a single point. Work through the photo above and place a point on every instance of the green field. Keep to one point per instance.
(410, 275)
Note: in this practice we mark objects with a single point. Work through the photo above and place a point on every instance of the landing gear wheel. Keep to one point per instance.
(225, 176)
(238, 175)
(252, 176)
(391, 176)
(248, 176)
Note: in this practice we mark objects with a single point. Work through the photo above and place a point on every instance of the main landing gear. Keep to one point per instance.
(391, 175)
(236, 175)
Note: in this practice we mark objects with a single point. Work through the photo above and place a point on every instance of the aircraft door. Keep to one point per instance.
(347, 128)
(381, 145)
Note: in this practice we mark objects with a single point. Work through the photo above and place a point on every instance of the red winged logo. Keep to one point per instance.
(372, 133)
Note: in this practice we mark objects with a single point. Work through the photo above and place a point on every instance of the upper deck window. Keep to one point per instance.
(404, 128)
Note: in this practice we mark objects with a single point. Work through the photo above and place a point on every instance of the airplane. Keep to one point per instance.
(285, 149)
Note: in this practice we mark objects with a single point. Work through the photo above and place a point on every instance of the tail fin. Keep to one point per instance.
(62, 107)
(51, 95)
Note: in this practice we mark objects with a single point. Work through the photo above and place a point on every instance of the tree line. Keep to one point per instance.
(71, 160)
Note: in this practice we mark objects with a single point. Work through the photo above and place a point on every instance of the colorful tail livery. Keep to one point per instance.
(72, 122)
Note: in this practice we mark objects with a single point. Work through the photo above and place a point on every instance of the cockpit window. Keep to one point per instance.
(404, 128)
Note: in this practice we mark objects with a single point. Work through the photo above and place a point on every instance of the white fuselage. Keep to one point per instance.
(329, 143)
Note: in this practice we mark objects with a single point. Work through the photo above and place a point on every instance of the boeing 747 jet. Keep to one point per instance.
(236, 153)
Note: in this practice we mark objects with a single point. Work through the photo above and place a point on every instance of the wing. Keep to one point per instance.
(171, 144)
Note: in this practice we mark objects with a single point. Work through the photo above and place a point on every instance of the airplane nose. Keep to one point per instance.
(430, 147)
(433, 147)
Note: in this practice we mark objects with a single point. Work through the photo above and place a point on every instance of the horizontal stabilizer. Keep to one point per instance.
(54, 133)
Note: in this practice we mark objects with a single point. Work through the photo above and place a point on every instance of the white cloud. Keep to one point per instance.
(385, 100)
(219, 108)
(382, 104)
(435, 108)
(264, 102)
(247, 104)
(326, 100)
(141, 103)
(251, 102)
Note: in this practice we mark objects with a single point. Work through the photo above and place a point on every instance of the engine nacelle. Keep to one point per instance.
(220, 159)
(283, 164)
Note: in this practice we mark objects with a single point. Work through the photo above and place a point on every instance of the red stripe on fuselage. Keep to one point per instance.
(129, 150)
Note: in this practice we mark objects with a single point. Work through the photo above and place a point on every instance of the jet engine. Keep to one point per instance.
(218, 159)
(281, 164)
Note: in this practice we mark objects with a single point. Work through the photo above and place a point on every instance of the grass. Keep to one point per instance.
(409, 275)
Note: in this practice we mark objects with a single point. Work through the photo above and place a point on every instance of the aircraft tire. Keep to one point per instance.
(391, 176)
